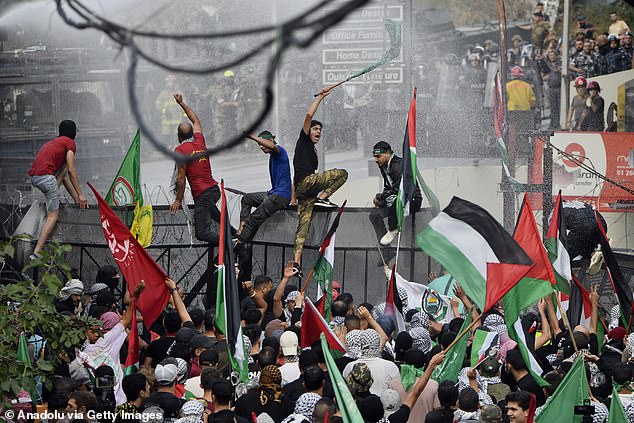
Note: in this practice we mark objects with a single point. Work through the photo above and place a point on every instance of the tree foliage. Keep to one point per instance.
(27, 307)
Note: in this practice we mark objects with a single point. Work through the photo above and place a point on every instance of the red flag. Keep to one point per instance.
(527, 236)
(393, 303)
(135, 263)
(313, 324)
(132, 360)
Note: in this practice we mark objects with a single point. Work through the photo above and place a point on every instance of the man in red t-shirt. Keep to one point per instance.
(198, 172)
(54, 165)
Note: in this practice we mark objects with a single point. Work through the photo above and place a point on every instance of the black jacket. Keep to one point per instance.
(392, 173)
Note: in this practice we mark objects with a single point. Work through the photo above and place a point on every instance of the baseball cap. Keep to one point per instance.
(391, 401)
(267, 135)
(208, 357)
(185, 335)
(491, 414)
(200, 340)
(165, 374)
(288, 343)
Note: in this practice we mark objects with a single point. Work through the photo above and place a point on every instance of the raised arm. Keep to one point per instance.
(365, 314)
(178, 301)
(180, 188)
(126, 319)
(314, 106)
(539, 342)
(289, 272)
(191, 115)
(74, 179)
(270, 144)
(594, 317)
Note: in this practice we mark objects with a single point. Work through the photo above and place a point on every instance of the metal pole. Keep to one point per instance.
(508, 195)
(276, 87)
(547, 198)
(563, 115)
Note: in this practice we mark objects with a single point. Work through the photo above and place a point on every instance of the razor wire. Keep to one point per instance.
(285, 36)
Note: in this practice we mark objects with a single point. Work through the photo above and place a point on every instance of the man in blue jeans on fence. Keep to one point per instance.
(55, 165)
(277, 198)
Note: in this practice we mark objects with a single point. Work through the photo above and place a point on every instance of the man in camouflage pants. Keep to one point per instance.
(310, 187)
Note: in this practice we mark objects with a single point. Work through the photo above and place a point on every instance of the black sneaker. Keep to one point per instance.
(324, 202)
(296, 266)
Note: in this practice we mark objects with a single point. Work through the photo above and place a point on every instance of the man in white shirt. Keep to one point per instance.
(383, 371)
(290, 368)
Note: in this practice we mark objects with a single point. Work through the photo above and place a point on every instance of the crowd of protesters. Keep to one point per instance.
(590, 54)
(186, 375)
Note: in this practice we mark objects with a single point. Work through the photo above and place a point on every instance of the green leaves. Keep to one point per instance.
(28, 307)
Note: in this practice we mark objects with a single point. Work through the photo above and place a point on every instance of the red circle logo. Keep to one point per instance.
(577, 152)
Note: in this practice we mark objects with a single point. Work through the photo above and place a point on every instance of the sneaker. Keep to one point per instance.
(35, 256)
(296, 266)
(389, 237)
(324, 202)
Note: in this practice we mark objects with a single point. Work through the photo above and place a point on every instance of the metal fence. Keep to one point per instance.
(190, 262)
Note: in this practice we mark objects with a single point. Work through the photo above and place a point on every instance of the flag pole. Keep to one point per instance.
(566, 323)
(310, 275)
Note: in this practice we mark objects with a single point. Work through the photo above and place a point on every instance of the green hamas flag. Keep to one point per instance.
(573, 390)
(345, 401)
(452, 364)
(23, 352)
(617, 413)
(126, 191)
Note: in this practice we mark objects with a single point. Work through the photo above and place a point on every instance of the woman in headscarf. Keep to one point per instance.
(268, 398)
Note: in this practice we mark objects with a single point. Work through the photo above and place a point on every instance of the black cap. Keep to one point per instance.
(208, 357)
(185, 335)
(200, 340)
(381, 147)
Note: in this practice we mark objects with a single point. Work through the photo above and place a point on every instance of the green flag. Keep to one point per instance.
(126, 191)
(573, 390)
(452, 364)
(345, 401)
(617, 413)
(23, 351)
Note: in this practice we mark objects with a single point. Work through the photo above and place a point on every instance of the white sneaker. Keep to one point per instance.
(389, 237)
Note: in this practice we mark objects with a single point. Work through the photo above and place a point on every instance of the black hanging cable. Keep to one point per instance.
(284, 38)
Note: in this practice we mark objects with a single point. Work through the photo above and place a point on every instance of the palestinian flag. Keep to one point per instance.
(483, 342)
(323, 269)
(619, 284)
(313, 325)
(132, 360)
(573, 390)
(556, 246)
(617, 413)
(536, 284)
(450, 367)
(227, 299)
(345, 401)
(394, 304)
(476, 250)
(580, 309)
(409, 186)
(579, 305)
